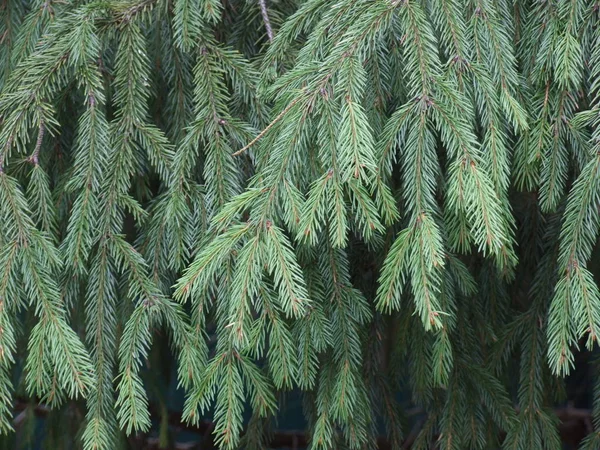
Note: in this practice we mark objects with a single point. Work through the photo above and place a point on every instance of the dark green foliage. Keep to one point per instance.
(348, 199)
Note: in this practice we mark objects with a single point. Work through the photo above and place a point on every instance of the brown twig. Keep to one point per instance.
(268, 127)
(34, 158)
(265, 16)
(4, 152)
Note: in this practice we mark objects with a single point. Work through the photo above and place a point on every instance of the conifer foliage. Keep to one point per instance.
(374, 204)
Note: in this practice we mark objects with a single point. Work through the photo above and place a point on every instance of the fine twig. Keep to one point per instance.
(34, 158)
(265, 16)
(268, 127)
(5, 151)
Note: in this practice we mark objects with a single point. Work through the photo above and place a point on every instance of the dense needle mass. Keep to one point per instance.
(345, 200)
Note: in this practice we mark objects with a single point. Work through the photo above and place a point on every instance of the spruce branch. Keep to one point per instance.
(375, 247)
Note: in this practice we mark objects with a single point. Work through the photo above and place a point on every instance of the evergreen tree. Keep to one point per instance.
(343, 200)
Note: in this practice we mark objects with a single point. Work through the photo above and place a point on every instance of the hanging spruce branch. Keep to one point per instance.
(353, 202)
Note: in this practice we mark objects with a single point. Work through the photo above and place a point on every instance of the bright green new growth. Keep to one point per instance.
(387, 196)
